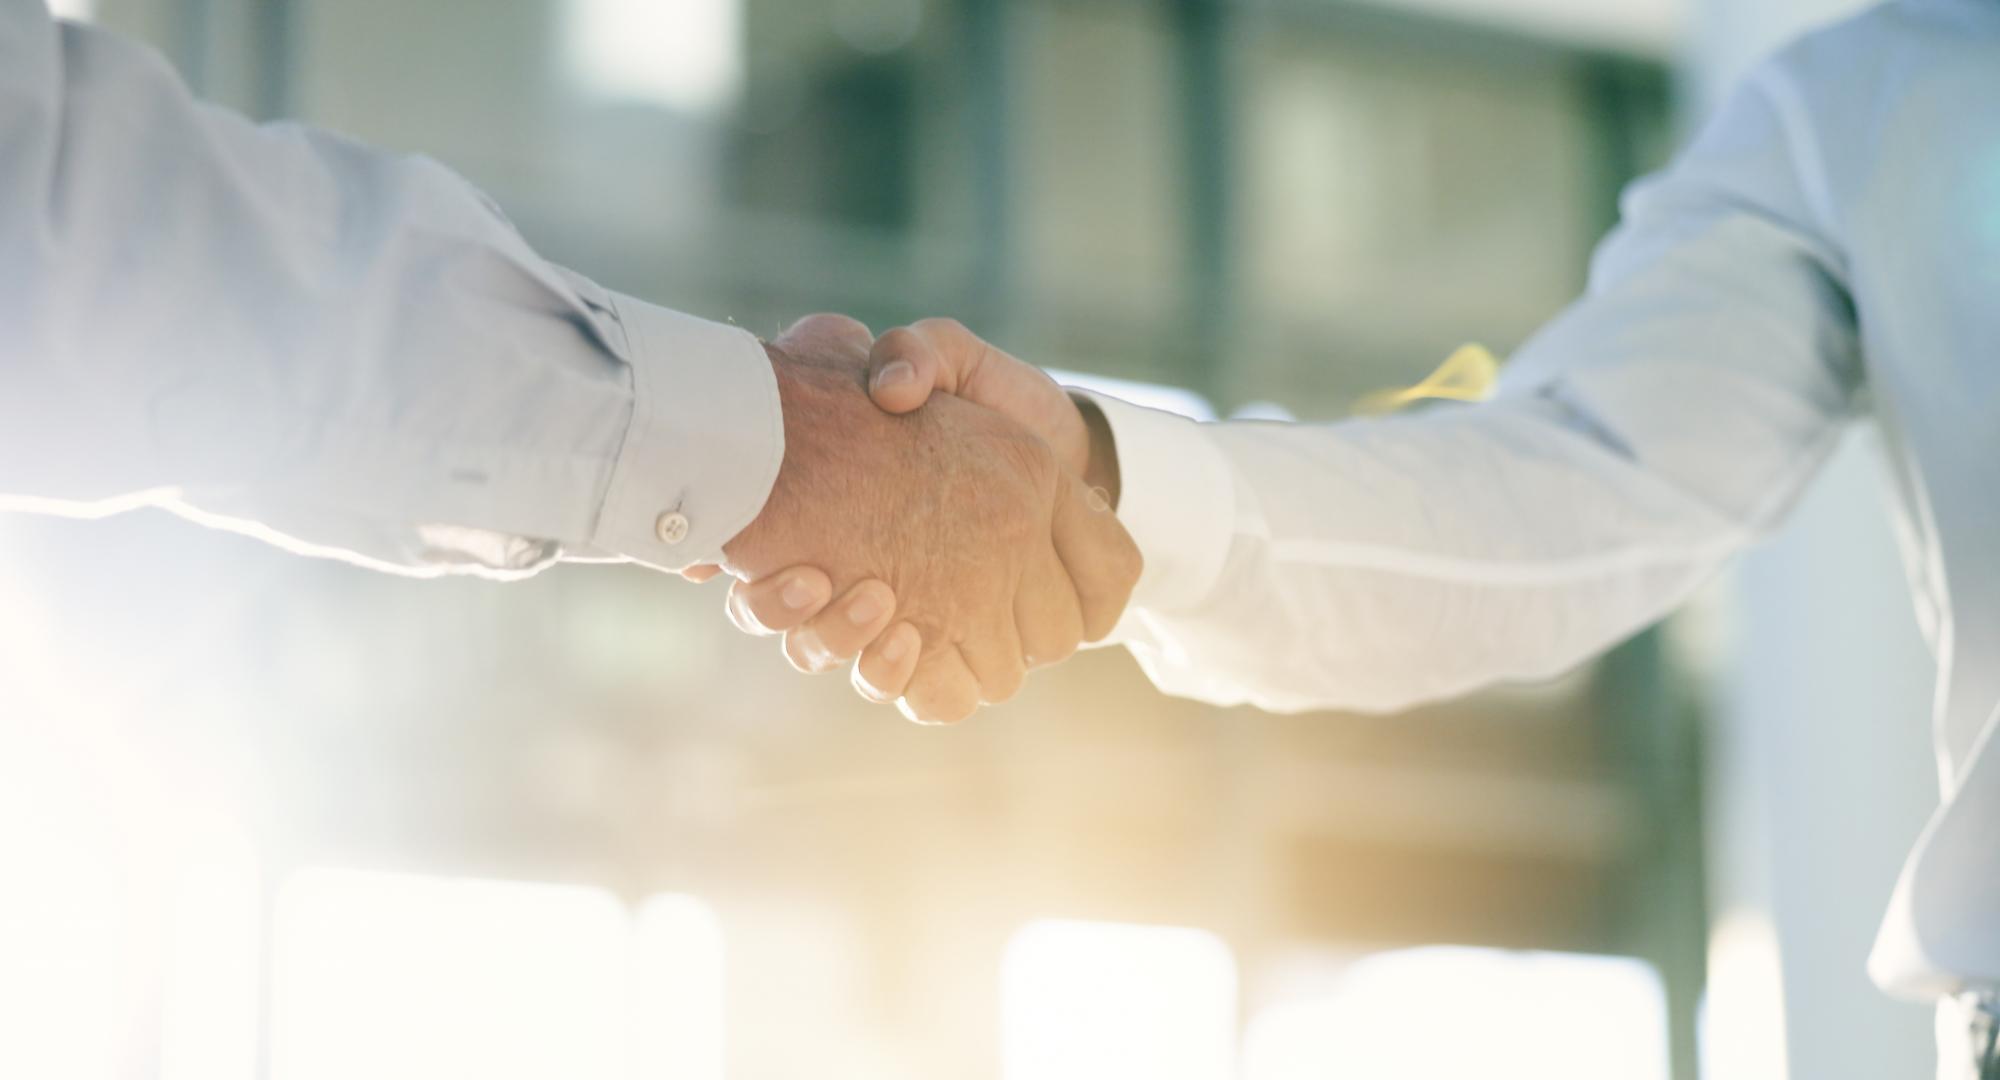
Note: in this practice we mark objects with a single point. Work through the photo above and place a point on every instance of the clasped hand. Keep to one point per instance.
(945, 545)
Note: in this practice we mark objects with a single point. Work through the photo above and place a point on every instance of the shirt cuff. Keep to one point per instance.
(1176, 497)
(705, 442)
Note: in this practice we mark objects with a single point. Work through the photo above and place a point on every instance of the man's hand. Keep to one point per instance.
(905, 367)
(910, 363)
(1000, 556)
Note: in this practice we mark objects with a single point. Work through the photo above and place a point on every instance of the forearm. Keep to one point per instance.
(1375, 564)
(281, 330)
(1662, 421)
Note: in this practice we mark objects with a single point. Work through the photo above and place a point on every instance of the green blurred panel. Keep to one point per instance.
(1399, 201)
(1101, 203)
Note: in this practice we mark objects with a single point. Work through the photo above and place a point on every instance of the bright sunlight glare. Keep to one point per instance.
(407, 977)
(1083, 1001)
(680, 1018)
(209, 1010)
(681, 54)
(1743, 1019)
(1447, 1012)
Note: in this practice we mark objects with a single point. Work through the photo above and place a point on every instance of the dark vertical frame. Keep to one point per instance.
(1204, 100)
(1650, 724)
(275, 35)
(987, 55)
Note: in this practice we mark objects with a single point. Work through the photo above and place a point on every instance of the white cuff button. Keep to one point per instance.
(672, 528)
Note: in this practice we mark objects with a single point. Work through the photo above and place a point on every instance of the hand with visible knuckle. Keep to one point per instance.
(955, 507)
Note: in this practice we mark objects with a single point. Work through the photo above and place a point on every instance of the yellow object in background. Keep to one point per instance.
(1466, 375)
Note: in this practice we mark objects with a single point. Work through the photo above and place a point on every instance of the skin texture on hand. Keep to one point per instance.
(906, 366)
(960, 520)
(910, 363)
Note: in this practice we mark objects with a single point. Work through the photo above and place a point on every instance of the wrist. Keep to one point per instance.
(803, 402)
(1101, 462)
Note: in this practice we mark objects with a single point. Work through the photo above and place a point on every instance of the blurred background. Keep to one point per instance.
(267, 817)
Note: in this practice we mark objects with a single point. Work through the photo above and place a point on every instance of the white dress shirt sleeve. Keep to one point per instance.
(349, 352)
(1653, 429)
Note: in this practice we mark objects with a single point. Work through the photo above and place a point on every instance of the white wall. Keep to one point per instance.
(1822, 773)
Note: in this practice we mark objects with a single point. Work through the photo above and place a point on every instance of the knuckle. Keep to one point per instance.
(940, 701)
(1055, 648)
(952, 710)
(1002, 687)
(895, 343)
(1131, 564)
(830, 322)
(943, 326)
(842, 639)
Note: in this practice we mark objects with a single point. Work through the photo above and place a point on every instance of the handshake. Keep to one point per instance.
(945, 545)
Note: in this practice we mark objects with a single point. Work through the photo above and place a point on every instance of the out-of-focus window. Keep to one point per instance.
(1444, 1013)
(1396, 202)
(210, 1008)
(395, 976)
(1082, 1001)
(1098, 189)
(680, 990)
(685, 55)
(740, 158)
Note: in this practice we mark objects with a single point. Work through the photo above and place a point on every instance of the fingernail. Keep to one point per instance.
(896, 647)
(797, 594)
(864, 610)
(739, 612)
(811, 649)
(894, 374)
(1100, 499)
(868, 689)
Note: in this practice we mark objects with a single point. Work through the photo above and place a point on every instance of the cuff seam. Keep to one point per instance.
(717, 464)
(1178, 499)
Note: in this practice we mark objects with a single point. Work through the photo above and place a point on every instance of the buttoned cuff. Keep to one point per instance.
(706, 438)
(1176, 497)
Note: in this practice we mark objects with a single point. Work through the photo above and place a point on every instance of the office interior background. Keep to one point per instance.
(269, 817)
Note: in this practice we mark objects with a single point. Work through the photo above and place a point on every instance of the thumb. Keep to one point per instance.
(905, 367)
(1103, 562)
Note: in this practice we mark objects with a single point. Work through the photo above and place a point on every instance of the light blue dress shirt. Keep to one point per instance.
(344, 351)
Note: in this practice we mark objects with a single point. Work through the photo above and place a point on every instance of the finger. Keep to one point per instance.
(995, 660)
(829, 335)
(883, 672)
(701, 572)
(1102, 561)
(903, 370)
(1047, 616)
(838, 633)
(778, 602)
(942, 690)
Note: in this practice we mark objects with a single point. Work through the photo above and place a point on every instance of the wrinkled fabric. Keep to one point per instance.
(347, 352)
(1827, 248)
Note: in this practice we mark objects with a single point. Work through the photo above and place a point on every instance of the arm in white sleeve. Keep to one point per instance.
(1658, 425)
(346, 351)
